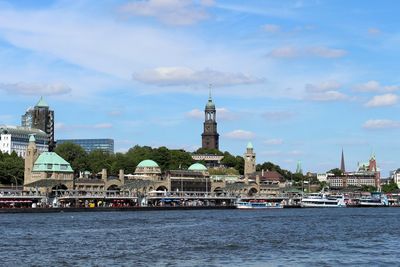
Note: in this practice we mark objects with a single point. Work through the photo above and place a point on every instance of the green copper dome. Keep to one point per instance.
(249, 145)
(148, 163)
(197, 167)
(210, 104)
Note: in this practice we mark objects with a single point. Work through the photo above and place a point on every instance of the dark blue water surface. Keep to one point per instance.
(285, 237)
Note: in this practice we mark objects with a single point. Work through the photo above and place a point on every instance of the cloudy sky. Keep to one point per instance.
(300, 79)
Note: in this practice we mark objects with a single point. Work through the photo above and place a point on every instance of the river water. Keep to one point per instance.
(282, 237)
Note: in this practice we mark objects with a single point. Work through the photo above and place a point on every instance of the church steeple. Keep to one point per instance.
(210, 136)
(342, 167)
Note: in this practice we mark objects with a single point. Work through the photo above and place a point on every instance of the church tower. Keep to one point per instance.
(249, 160)
(210, 136)
(31, 156)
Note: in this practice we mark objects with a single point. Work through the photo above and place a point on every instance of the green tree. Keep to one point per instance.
(75, 155)
(99, 159)
(336, 172)
(11, 169)
(389, 188)
(209, 151)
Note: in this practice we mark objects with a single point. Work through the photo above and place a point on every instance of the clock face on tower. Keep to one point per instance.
(208, 128)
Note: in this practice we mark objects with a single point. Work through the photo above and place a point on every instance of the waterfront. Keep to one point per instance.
(294, 237)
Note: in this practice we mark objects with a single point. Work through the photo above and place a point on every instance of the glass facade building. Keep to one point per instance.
(91, 144)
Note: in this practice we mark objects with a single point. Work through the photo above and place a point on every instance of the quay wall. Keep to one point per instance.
(106, 209)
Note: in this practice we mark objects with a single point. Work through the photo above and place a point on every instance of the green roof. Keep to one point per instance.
(42, 103)
(51, 162)
(148, 163)
(249, 145)
(32, 138)
(197, 167)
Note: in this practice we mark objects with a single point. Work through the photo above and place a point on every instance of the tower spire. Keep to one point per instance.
(209, 92)
(342, 167)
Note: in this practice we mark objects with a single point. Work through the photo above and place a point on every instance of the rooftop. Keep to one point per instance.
(42, 103)
(51, 162)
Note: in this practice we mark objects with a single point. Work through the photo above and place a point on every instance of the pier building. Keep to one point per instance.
(46, 170)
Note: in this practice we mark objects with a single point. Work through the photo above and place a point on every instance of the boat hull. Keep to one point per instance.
(257, 205)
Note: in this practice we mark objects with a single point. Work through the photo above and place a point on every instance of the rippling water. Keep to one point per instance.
(285, 237)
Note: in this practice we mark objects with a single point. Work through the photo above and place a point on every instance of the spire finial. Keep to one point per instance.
(209, 92)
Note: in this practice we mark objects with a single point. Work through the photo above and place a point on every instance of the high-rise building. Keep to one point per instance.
(249, 160)
(16, 139)
(89, 145)
(210, 136)
(42, 118)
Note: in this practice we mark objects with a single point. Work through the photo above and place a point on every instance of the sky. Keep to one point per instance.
(301, 80)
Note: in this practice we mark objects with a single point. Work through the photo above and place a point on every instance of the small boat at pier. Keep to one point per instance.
(258, 205)
(377, 199)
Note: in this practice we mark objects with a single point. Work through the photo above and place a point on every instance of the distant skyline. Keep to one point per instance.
(299, 79)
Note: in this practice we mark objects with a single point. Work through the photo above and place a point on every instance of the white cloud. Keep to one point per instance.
(370, 86)
(64, 127)
(172, 12)
(273, 141)
(318, 51)
(59, 126)
(240, 134)
(374, 31)
(381, 124)
(179, 76)
(374, 86)
(226, 115)
(323, 86)
(326, 96)
(195, 114)
(35, 88)
(382, 100)
(295, 153)
(223, 114)
(271, 28)
(277, 115)
(284, 52)
(102, 126)
(327, 52)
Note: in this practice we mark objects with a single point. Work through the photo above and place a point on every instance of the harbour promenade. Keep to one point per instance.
(18, 201)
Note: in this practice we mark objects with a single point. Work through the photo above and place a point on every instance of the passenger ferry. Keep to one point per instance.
(321, 200)
(376, 199)
(258, 205)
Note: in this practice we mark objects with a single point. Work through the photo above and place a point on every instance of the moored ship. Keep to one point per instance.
(377, 199)
(258, 205)
(321, 200)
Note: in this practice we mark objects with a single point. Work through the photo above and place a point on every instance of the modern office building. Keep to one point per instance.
(42, 118)
(91, 144)
(16, 139)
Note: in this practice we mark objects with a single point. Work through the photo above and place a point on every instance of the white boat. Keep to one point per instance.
(321, 200)
(377, 199)
(258, 205)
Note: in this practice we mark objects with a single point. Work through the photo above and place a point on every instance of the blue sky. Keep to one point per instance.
(300, 79)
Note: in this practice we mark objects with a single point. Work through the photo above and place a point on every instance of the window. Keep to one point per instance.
(49, 166)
